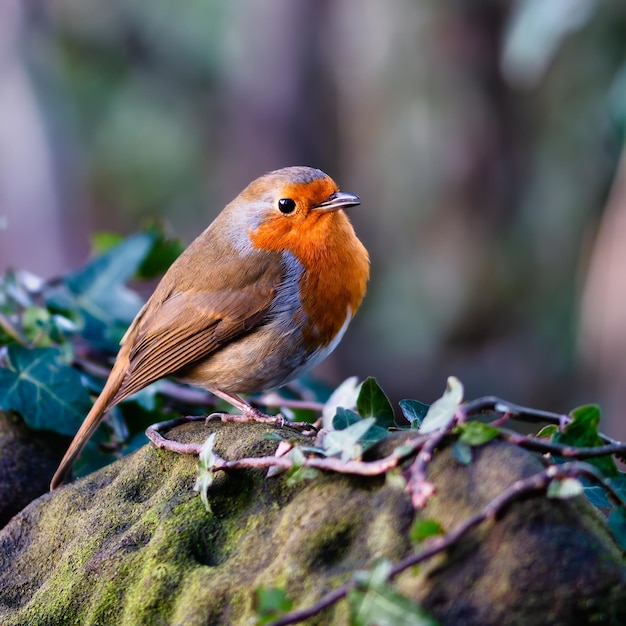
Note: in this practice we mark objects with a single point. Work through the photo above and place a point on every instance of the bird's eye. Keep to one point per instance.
(286, 206)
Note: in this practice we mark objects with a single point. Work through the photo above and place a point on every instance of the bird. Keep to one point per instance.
(259, 298)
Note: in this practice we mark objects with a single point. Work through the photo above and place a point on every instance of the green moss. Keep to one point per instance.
(132, 544)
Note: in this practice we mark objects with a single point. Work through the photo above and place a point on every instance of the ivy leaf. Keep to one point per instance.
(548, 431)
(424, 529)
(582, 431)
(206, 475)
(46, 391)
(345, 442)
(98, 291)
(477, 433)
(344, 418)
(462, 452)
(376, 603)
(163, 252)
(343, 397)
(372, 402)
(565, 488)
(270, 604)
(414, 411)
(299, 472)
(617, 525)
(442, 411)
(597, 494)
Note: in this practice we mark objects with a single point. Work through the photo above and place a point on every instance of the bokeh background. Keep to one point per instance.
(485, 139)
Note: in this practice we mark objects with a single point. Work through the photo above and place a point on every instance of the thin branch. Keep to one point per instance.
(523, 413)
(541, 445)
(153, 432)
(537, 483)
(332, 464)
(417, 485)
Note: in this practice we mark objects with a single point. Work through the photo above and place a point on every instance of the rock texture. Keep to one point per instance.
(27, 461)
(132, 544)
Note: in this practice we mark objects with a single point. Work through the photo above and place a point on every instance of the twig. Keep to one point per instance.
(537, 482)
(333, 464)
(540, 445)
(153, 432)
(497, 405)
(417, 485)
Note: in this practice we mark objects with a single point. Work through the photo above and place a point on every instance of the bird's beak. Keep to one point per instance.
(339, 200)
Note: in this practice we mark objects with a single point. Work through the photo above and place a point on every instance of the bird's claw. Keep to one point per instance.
(256, 416)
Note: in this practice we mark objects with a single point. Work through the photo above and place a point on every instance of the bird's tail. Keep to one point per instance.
(106, 400)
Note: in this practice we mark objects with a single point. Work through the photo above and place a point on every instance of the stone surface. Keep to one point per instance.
(27, 462)
(132, 544)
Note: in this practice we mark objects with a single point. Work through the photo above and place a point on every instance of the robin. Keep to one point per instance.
(263, 295)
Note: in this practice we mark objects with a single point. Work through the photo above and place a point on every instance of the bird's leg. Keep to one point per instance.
(250, 414)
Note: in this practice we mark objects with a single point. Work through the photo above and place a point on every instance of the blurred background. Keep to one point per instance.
(484, 138)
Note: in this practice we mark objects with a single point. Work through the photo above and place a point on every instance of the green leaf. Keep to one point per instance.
(345, 442)
(103, 241)
(376, 603)
(462, 452)
(299, 472)
(424, 529)
(206, 475)
(597, 494)
(414, 411)
(617, 525)
(548, 431)
(442, 411)
(565, 488)
(270, 604)
(163, 253)
(372, 402)
(44, 389)
(476, 433)
(98, 291)
(344, 418)
(36, 325)
(582, 431)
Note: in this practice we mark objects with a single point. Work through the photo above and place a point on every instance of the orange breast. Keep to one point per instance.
(336, 268)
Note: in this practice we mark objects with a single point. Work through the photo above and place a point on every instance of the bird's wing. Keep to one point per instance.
(189, 325)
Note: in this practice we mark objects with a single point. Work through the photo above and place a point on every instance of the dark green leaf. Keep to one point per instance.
(597, 494)
(462, 452)
(617, 524)
(424, 529)
(476, 433)
(414, 411)
(582, 431)
(344, 418)
(372, 402)
(48, 393)
(100, 294)
(162, 254)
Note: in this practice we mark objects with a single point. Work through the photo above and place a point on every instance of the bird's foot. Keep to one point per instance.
(254, 415)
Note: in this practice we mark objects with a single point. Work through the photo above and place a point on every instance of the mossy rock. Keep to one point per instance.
(132, 544)
(27, 461)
